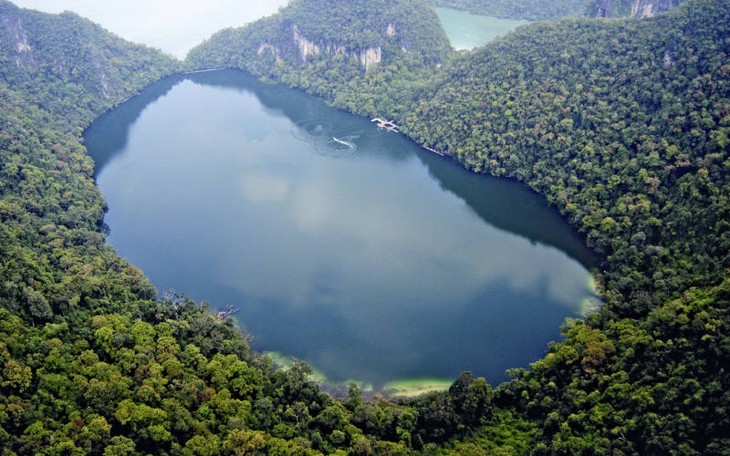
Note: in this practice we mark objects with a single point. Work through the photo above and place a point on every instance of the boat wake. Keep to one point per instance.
(327, 139)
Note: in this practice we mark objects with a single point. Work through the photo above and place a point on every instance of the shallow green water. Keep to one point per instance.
(467, 31)
(373, 260)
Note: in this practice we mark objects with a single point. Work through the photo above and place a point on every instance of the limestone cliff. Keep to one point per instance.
(16, 38)
(367, 57)
(366, 33)
(630, 8)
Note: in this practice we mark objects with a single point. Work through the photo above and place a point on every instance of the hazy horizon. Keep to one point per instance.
(172, 26)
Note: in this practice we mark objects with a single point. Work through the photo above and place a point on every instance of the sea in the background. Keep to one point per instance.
(175, 26)
(467, 31)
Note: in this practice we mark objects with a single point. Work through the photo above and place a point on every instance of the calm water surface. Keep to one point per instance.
(342, 245)
(467, 31)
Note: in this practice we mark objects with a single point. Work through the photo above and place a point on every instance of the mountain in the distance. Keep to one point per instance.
(359, 55)
(40, 51)
(366, 33)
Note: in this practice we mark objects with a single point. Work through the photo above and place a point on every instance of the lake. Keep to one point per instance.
(467, 31)
(342, 245)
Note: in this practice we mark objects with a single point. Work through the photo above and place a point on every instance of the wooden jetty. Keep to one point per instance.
(437, 152)
(386, 124)
(206, 70)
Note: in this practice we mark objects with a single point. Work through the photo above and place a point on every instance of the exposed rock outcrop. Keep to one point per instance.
(323, 35)
(19, 39)
(642, 8)
(371, 56)
(306, 47)
(632, 8)
(390, 30)
(36, 47)
(275, 51)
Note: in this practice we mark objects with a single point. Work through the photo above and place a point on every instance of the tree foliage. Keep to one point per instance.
(622, 124)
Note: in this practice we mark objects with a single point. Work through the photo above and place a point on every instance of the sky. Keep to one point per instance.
(175, 26)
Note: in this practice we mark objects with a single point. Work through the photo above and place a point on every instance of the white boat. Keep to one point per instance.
(344, 143)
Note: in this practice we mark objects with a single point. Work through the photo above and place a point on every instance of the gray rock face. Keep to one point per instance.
(631, 8)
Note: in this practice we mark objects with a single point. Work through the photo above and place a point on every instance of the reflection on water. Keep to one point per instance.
(379, 265)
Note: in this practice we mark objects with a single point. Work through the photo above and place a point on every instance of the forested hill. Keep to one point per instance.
(346, 51)
(64, 59)
(366, 32)
(624, 125)
(57, 74)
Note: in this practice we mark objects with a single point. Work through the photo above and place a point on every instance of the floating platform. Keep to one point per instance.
(437, 152)
(386, 124)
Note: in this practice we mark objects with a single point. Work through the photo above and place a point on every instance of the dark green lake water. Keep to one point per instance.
(467, 31)
(366, 256)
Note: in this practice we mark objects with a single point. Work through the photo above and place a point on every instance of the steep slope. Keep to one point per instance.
(49, 52)
(57, 74)
(55, 270)
(367, 32)
(623, 125)
(348, 52)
